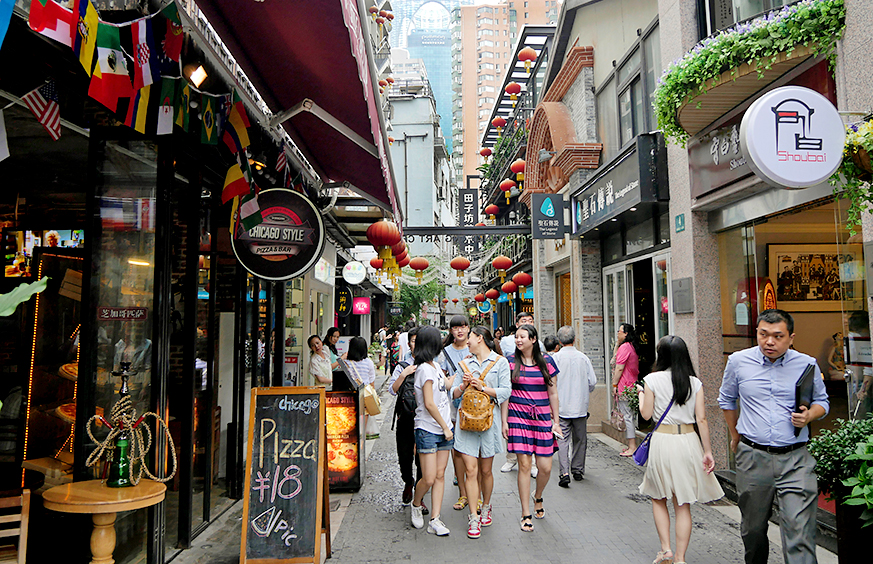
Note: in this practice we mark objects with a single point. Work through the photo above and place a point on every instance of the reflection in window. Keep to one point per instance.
(640, 236)
(606, 113)
(653, 72)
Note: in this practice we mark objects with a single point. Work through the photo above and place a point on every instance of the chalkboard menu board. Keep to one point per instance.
(285, 471)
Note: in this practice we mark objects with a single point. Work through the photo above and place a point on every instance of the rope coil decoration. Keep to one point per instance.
(123, 415)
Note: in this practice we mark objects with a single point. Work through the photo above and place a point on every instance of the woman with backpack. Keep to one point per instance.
(402, 385)
(481, 384)
(433, 432)
(530, 418)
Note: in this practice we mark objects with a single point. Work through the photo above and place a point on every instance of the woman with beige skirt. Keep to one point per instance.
(679, 466)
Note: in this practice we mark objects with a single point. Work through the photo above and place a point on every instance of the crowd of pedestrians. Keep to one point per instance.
(471, 396)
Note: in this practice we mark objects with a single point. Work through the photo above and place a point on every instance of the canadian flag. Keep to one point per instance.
(52, 20)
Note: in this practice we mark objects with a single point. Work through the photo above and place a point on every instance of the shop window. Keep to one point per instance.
(641, 236)
(721, 14)
(612, 248)
(606, 120)
(630, 107)
(653, 72)
(664, 228)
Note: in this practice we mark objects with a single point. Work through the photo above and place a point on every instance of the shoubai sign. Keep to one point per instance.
(287, 243)
(792, 137)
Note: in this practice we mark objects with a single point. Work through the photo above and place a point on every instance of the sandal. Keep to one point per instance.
(460, 504)
(526, 524)
(626, 453)
(541, 512)
(662, 558)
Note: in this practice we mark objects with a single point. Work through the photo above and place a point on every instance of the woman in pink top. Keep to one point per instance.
(626, 368)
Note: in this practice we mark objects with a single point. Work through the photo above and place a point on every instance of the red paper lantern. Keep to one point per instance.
(492, 210)
(454, 300)
(485, 152)
(373, 10)
(383, 83)
(383, 235)
(527, 55)
(383, 13)
(509, 288)
(403, 261)
(522, 279)
(460, 264)
(480, 224)
(390, 140)
(376, 263)
(513, 89)
(507, 185)
(499, 123)
(492, 296)
(389, 80)
(390, 16)
(480, 297)
(398, 248)
(419, 264)
(501, 264)
(380, 20)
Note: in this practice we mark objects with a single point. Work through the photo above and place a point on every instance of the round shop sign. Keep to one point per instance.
(354, 272)
(484, 307)
(287, 243)
(793, 137)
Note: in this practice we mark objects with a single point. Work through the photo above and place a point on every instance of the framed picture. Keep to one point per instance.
(817, 277)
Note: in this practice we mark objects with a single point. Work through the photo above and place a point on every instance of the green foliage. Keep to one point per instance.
(817, 24)
(850, 181)
(411, 298)
(632, 397)
(832, 451)
(862, 483)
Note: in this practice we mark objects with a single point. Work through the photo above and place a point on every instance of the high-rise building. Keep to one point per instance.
(483, 40)
(433, 47)
(408, 15)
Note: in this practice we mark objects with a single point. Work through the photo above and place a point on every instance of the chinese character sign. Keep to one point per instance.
(468, 216)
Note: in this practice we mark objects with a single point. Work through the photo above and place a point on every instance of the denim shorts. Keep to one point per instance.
(428, 443)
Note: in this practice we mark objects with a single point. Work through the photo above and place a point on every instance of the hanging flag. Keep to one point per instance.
(4, 147)
(84, 33)
(281, 160)
(165, 108)
(183, 101)
(175, 37)
(250, 211)
(5, 16)
(43, 102)
(145, 56)
(49, 18)
(235, 184)
(137, 110)
(236, 135)
(111, 80)
(208, 125)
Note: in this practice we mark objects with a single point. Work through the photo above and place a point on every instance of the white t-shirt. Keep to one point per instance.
(403, 343)
(427, 375)
(507, 345)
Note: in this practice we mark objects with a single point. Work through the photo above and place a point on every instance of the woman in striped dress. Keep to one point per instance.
(530, 418)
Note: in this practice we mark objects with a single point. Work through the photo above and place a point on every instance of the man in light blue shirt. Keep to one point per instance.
(771, 461)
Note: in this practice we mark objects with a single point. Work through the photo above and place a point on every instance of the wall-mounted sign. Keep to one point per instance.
(792, 137)
(715, 159)
(343, 301)
(547, 216)
(680, 223)
(769, 296)
(683, 298)
(484, 307)
(287, 243)
(361, 306)
(323, 271)
(354, 272)
(468, 216)
(122, 313)
(395, 309)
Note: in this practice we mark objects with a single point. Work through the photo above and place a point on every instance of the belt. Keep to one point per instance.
(772, 449)
(675, 429)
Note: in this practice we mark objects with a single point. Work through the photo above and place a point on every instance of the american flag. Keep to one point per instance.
(43, 102)
(281, 161)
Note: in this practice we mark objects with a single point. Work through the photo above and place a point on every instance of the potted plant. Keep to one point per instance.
(835, 465)
(852, 179)
(861, 494)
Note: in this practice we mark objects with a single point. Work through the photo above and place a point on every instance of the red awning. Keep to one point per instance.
(309, 62)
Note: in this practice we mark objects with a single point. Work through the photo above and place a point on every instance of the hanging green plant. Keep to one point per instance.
(852, 180)
(817, 24)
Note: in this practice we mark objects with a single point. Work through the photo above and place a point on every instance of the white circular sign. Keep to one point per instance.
(354, 272)
(793, 137)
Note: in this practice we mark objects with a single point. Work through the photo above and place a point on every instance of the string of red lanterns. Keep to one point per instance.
(528, 56)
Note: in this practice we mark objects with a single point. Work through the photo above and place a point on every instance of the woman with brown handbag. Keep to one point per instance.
(484, 371)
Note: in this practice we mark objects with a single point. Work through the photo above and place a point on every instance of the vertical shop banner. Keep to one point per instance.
(468, 216)
(343, 301)
(344, 430)
(547, 216)
(284, 503)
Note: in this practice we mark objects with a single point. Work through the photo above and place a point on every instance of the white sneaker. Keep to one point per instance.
(534, 471)
(508, 467)
(437, 527)
(474, 529)
(417, 517)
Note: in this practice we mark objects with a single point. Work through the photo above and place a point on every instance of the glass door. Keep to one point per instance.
(661, 276)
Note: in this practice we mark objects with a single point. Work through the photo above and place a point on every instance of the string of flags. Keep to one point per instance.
(135, 71)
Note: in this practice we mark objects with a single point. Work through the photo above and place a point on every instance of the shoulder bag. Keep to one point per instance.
(641, 455)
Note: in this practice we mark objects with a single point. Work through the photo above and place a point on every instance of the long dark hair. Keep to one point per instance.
(535, 353)
(309, 340)
(427, 344)
(485, 334)
(672, 354)
(326, 340)
(456, 321)
(357, 349)
(630, 336)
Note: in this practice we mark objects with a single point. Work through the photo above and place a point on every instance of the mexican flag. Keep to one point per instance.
(111, 80)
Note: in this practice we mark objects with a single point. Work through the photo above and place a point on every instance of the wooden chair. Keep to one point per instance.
(11, 553)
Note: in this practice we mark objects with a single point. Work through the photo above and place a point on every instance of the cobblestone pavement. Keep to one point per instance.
(602, 519)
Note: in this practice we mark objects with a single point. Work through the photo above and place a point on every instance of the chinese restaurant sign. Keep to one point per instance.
(284, 502)
(792, 137)
(547, 216)
(468, 216)
(343, 301)
(289, 241)
(715, 159)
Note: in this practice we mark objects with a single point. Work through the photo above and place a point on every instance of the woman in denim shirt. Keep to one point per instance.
(478, 448)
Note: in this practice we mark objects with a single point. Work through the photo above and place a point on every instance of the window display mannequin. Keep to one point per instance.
(836, 358)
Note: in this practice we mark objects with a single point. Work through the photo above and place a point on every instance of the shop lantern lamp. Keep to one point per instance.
(513, 89)
(454, 300)
(377, 263)
(499, 123)
(527, 56)
(522, 279)
(501, 264)
(460, 264)
(485, 152)
(492, 296)
(507, 185)
(383, 235)
(419, 265)
(517, 167)
(374, 11)
(492, 210)
(509, 288)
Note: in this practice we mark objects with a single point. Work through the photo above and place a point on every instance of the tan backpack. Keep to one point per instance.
(476, 412)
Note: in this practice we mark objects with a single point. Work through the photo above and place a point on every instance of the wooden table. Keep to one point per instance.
(102, 503)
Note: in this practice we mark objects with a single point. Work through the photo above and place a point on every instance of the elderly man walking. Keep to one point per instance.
(575, 385)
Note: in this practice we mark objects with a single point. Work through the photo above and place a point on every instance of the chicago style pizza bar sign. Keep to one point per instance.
(792, 137)
(289, 241)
